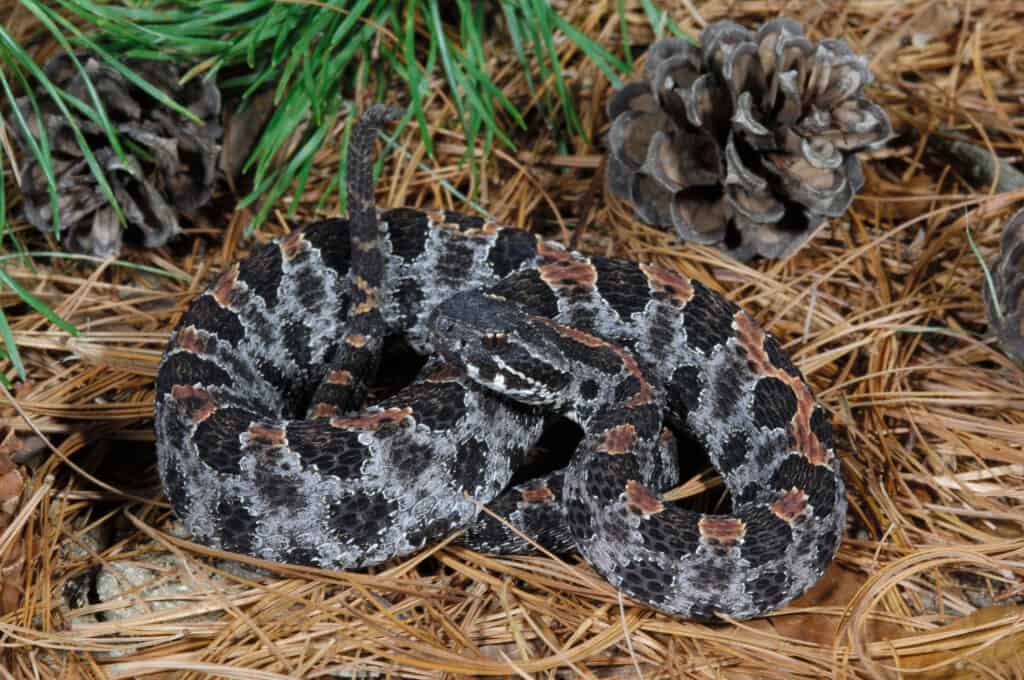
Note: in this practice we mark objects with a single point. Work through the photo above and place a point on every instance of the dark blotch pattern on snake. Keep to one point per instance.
(263, 447)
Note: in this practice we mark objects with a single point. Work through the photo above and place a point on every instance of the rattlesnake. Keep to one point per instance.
(261, 450)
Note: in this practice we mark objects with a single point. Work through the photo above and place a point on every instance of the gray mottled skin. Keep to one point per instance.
(247, 468)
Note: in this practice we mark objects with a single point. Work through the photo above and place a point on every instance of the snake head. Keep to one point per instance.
(499, 345)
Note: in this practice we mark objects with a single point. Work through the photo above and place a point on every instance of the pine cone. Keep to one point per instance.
(12, 555)
(173, 171)
(1008, 281)
(746, 142)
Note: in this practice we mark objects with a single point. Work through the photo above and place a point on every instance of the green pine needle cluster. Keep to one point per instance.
(315, 56)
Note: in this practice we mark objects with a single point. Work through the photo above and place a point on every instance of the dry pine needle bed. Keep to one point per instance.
(882, 311)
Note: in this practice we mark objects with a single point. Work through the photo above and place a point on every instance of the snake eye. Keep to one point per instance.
(493, 341)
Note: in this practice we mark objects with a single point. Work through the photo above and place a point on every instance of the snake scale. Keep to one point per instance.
(265, 447)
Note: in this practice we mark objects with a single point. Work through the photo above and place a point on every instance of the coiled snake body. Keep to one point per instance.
(263, 450)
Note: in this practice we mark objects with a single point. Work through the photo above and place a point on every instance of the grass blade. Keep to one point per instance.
(12, 349)
(40, 148)
(35, 303)
(58, 98)
(989, 283)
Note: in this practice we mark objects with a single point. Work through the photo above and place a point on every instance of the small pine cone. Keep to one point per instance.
(172, 172)
(1008, 281)
(746, 142)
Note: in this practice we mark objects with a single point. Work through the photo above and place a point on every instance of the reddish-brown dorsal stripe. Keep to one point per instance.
(445, 373)
(325, 410)
(292, 244)
(197, 400)
(667, 282)
(618, 440)
(223, 290)
(644, 393)
(357, 341)
(576, 335)
(721, 530)
(751, 338)
(493, 341)
(266, 434)
(485, 230)
(188, 339)
(538, 493)
(560, 269)
(639, 499)
(439, 220)
(369, 302)
(790, 505)
(339, 377)
(372, 421)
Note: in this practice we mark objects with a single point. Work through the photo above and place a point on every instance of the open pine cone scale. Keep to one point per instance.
(168, 167)
(747, 141)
